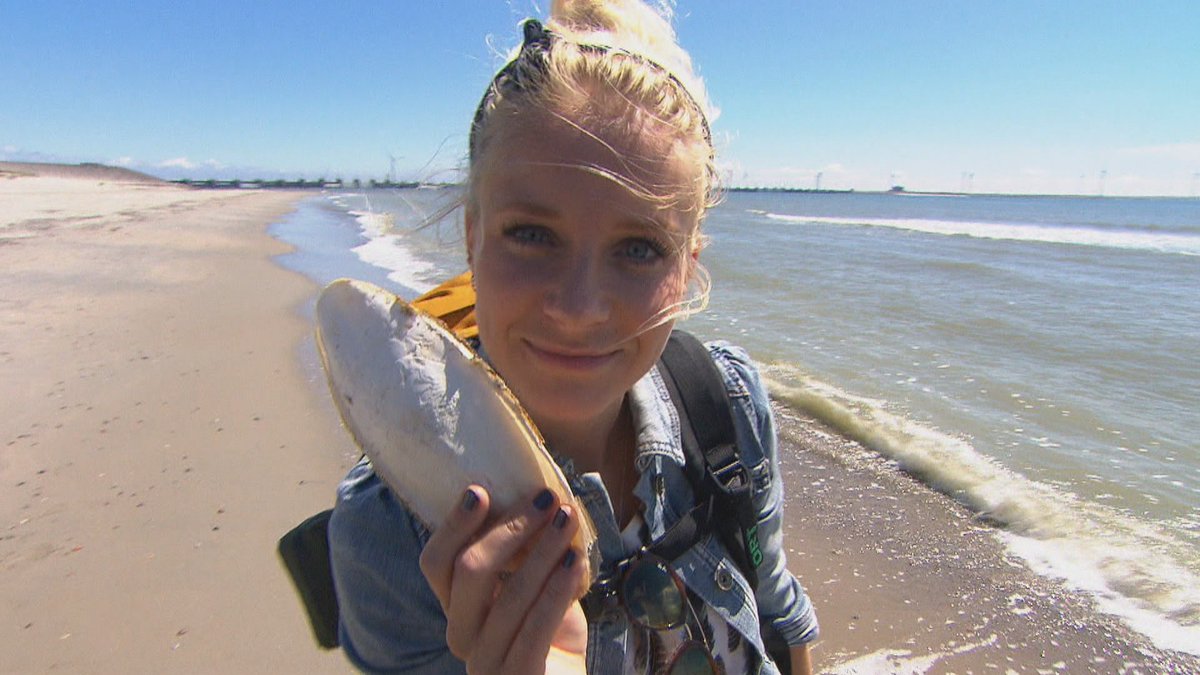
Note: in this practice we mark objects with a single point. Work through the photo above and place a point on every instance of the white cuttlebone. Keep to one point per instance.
(429, 412)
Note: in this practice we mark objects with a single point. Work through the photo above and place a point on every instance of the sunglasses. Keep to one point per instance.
(654, 598)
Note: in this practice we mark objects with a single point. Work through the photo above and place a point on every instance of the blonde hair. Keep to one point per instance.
(612, 66)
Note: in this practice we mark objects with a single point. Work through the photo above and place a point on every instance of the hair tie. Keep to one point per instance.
(536, 35)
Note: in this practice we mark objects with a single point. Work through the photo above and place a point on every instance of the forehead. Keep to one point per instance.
(635, 166)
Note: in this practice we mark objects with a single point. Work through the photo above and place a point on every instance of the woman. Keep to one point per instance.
(591, 168)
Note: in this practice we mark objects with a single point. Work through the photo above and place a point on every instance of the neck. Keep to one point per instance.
(604, 445)
(593, 444)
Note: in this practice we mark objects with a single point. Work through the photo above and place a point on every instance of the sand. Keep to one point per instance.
(905, 580)
(161, 430)
(159, 433)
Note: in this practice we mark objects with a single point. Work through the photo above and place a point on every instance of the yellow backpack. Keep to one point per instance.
(452, 301)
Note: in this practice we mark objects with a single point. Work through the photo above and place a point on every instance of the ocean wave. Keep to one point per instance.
(387, 250)
(1161, 242)
(1143, 572)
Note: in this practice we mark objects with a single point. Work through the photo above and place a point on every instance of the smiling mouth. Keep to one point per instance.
(569, 359)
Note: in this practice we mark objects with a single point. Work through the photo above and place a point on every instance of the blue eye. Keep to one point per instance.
(642, 250)
(529, 234)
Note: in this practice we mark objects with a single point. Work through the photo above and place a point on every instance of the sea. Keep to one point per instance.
(1035, 358)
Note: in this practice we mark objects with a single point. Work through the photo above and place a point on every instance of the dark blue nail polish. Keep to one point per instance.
(543, 501)
(568, 559)
(470, 500)
(560, 518)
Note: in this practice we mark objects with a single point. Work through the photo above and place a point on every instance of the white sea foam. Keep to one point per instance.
(1137, 570)
(1080, 236)
(387, 250)
(1123, 583)
(903, 661)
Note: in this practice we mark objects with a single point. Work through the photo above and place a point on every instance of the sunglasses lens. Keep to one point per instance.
(692, 659)
(652, 597)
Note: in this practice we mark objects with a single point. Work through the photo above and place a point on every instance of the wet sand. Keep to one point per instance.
(161, 431)
(905, 580)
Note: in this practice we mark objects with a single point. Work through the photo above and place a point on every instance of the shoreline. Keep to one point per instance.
(907, 580)
(165, 432)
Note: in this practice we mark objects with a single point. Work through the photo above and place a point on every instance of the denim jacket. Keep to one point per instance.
(392, 622)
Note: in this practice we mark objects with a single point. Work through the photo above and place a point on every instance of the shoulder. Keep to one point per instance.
(751, 407)
(370, 524)
(390, 620)
(741, 375)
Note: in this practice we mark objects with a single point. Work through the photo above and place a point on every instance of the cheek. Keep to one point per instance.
(504, 292)
(660, 297)
(506, 278)
(667, 291)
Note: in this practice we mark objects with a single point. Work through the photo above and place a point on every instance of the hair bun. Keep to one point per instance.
(632, 26)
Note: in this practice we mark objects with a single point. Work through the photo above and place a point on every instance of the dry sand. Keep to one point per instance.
(160, 433)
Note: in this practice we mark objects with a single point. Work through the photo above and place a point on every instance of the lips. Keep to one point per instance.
(566, 358)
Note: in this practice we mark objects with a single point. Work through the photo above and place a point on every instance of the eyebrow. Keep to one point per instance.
(650, 226)
(638, 224)
(529, 208)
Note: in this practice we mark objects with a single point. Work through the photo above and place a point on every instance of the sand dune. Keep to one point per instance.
(97, 172)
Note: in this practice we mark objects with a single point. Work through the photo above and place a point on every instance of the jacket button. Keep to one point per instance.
(723, 577)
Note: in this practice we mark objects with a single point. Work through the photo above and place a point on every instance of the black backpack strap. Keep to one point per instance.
(712, 463)
(305, 553)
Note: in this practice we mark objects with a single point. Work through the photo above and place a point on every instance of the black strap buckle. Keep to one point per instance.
(732, 475)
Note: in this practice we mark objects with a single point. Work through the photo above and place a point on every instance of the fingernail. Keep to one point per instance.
(470, 500)
(543, 501)
(560, 518)
(569, 559)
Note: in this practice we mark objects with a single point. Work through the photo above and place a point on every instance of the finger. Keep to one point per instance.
(456, 532)
(554, 628)
(478, 567)
(522, 590)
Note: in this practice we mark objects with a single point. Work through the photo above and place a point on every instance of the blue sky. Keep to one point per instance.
(1014, 96)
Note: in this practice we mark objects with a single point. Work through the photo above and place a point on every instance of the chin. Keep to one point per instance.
(568, 404)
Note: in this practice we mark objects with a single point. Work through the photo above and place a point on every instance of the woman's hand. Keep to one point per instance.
(508, 588)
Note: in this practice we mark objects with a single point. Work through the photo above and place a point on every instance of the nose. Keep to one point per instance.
(579, 296)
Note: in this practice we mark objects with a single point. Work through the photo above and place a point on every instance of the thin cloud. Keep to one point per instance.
(1183, 152)
(177, 163)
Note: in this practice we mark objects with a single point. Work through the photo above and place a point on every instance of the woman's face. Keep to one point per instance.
(570, 267)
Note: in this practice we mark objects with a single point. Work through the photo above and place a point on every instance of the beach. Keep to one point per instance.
(905, 580)
(158, 434)
(164, 426)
